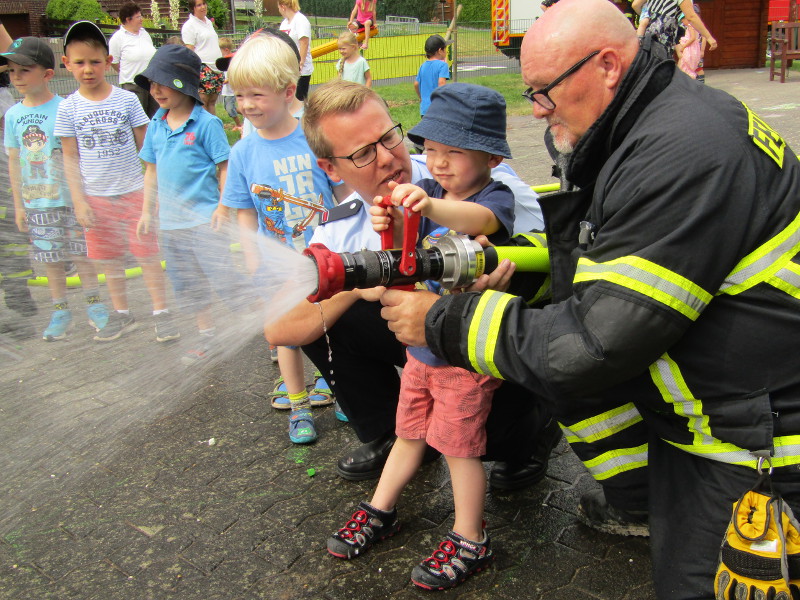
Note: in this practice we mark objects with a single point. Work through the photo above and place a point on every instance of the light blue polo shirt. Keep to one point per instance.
(186, 162)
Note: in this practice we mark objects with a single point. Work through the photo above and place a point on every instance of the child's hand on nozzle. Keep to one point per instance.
(379, 215)
(410, 196)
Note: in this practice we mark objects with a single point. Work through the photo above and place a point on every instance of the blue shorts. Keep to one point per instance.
(229, 103)
(55, 234)
(199, 262)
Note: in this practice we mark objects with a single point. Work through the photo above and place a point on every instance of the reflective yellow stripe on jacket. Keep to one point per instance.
(765, 261)
(670, 382)
(538, 240)
(787, 279)
(603, 426)
(649, 279)
(484, 331)
(617, 461)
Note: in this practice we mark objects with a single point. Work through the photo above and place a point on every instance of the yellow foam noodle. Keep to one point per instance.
(329, 47)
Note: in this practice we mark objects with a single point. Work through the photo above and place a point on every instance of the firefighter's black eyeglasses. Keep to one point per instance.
(367, 154)
(541, 97)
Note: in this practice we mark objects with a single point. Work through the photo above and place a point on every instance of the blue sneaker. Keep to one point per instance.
(301, 426)
(60, 322)
(339, 413)
(98, 315)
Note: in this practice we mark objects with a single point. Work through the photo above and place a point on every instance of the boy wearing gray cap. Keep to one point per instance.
(443, 406)
(41, 199)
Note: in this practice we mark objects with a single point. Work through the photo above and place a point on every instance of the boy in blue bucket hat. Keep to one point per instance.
(186, 156)
(463, 133)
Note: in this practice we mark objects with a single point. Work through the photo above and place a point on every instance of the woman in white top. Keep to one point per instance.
(297, 26)
(198, 34)
(131, 49)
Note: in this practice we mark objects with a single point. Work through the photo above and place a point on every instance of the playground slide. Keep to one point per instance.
(332, 46)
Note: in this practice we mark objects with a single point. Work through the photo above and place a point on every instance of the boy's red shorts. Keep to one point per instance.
(114, 229)
(445, 406)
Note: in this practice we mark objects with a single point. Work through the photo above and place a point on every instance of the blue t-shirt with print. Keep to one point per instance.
(186, 162)
(286, 164)
(30, 130)
(428, 79)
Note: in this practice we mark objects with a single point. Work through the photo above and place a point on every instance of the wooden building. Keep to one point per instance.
(740, 28)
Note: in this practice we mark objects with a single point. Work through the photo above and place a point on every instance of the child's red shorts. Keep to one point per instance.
(445, 406)
(114, 229)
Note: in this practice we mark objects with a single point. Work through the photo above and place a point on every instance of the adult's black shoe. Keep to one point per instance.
(366, 461)
(518, 475)
(595, 511)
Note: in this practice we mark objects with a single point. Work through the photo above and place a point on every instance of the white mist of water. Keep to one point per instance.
(65, 405)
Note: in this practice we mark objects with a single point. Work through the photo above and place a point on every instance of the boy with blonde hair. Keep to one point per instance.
(102, 128)
(41, 199)
(264, 74)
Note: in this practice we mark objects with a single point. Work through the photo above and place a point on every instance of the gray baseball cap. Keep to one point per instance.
(29, 51)
(84, 30)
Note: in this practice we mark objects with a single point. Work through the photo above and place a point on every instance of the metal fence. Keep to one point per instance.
(394, 56)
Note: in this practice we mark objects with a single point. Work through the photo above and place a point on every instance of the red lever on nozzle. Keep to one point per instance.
(408, 259)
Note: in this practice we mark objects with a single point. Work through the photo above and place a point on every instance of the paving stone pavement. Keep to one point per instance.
(114, 489)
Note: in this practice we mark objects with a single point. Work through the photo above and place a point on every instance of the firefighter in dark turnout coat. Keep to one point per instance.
(669, 353)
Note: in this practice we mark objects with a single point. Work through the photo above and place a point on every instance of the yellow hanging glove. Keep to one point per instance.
(760, 554)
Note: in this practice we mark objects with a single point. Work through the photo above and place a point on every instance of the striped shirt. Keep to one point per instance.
(109, 159)
(663, 8)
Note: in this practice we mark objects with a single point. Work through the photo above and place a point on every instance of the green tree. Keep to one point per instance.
(218, 10)
(476, 11)
(75, 10)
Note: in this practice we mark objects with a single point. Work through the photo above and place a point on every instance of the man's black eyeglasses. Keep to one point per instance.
(367, 154)
(541, 97)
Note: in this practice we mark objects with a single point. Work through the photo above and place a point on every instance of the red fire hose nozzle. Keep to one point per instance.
(408, 261)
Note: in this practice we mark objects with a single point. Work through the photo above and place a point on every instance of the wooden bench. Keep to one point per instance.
(785, 46)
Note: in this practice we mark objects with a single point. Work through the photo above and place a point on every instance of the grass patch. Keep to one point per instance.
(404, 104)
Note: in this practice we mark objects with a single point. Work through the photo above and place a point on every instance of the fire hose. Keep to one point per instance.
(455, 261)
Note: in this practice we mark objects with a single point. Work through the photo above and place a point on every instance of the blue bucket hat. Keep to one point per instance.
(174, 67)
(465, 115)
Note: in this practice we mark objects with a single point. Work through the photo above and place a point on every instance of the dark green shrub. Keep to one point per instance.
(219, 11)
(75, 10)
(476, 11)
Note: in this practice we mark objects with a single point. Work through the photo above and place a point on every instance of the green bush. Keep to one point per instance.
(75, 10)
(475, 11)
(218, 10)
